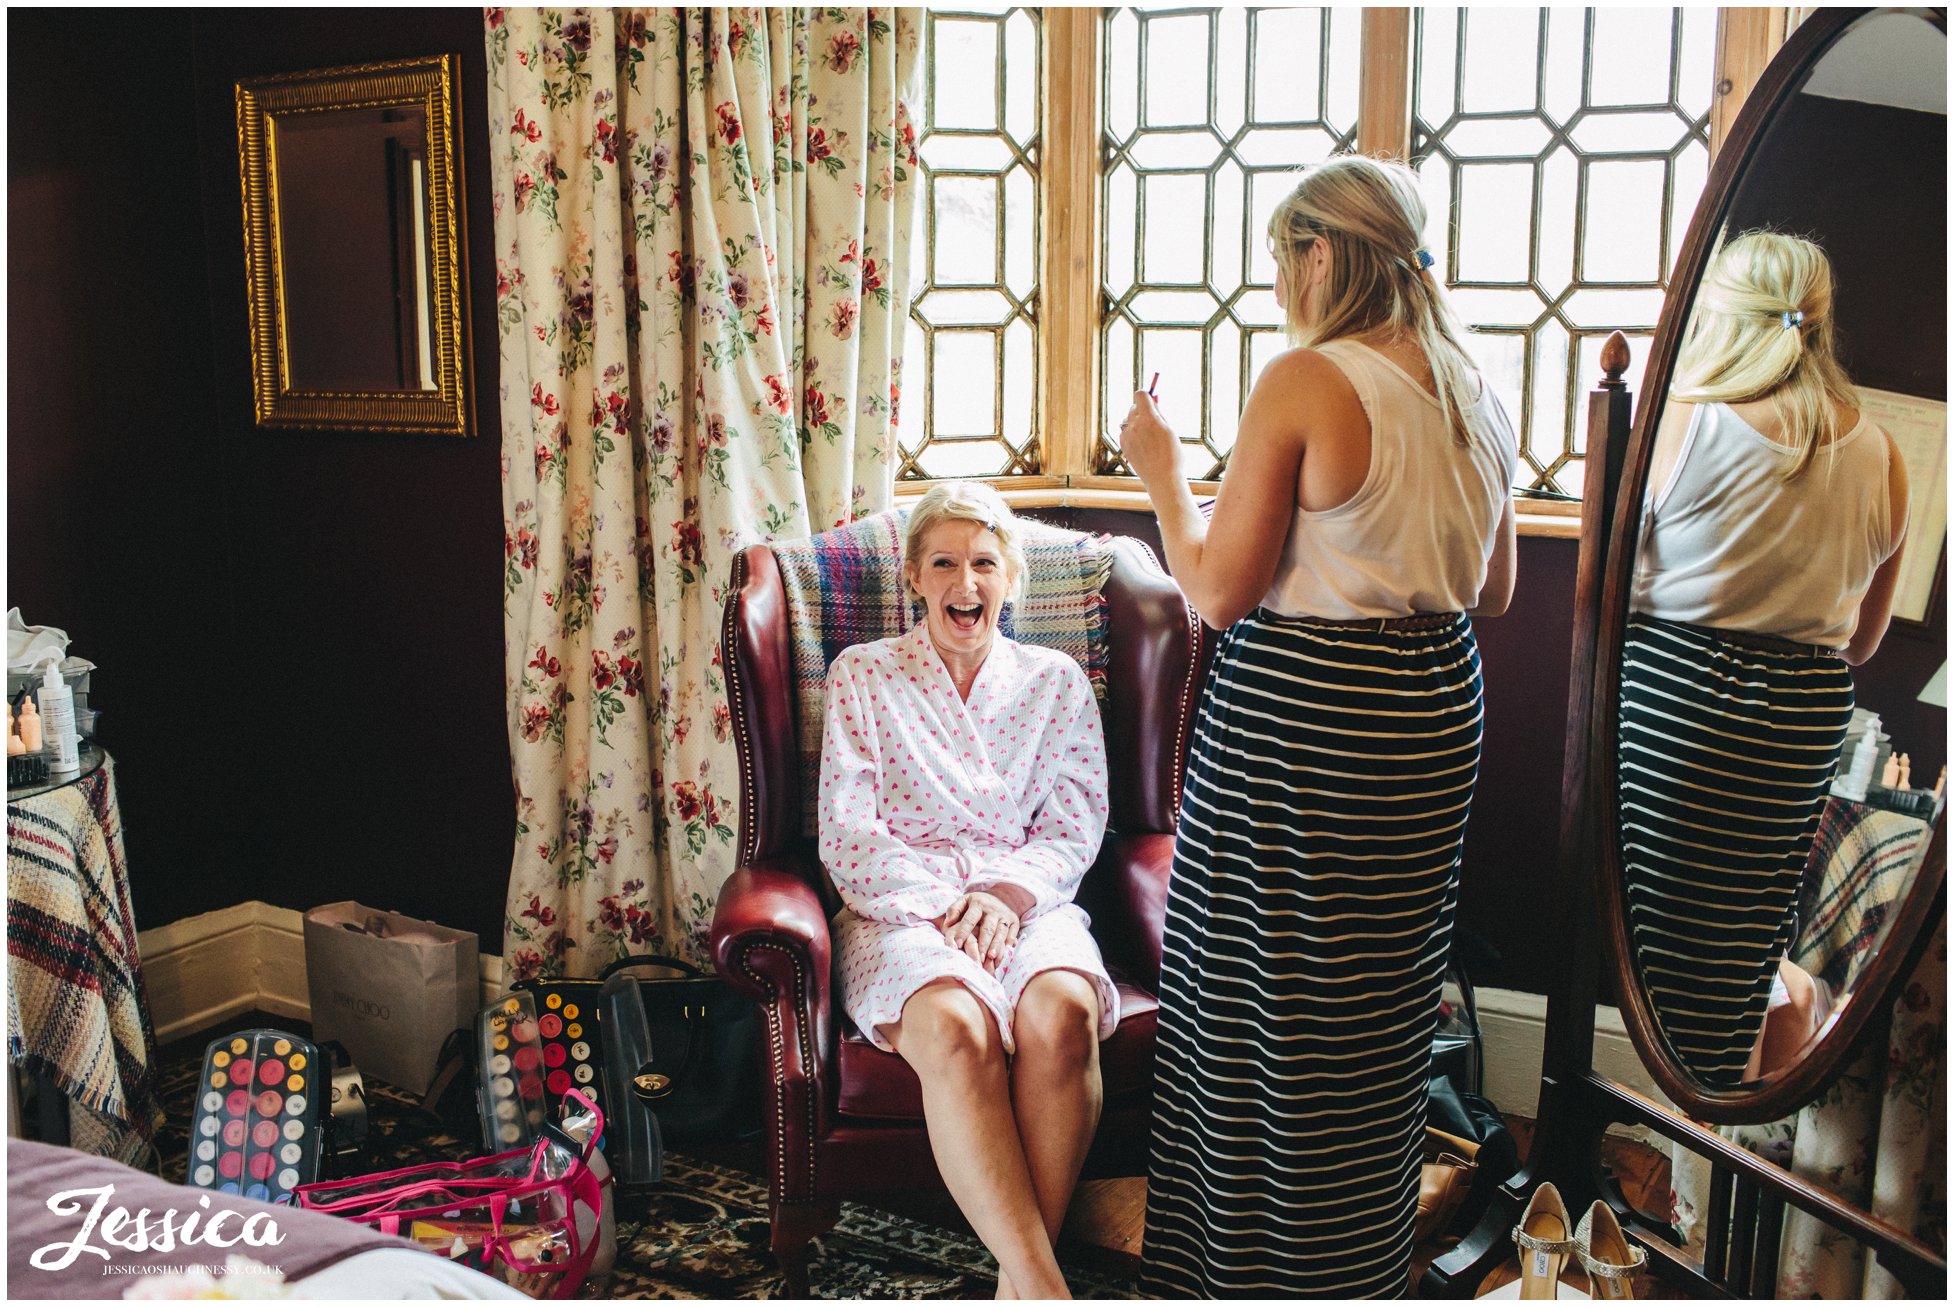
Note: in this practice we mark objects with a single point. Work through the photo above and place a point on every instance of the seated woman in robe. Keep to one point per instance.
(963, 796)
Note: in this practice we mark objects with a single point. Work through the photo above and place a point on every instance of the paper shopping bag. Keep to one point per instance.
(389, 987)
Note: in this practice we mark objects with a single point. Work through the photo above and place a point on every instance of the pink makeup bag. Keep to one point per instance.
(539, 1219)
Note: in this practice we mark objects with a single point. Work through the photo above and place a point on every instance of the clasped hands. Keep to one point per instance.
(985, 923)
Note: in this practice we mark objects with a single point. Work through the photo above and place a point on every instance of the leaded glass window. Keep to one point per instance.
(1560, 185)
(970, 362)
(1208, 112)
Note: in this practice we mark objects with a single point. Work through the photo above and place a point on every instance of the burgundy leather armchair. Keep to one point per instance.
(844, 1119)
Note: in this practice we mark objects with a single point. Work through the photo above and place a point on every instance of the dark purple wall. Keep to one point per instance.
(117, 526)
(367, 567)
(299, 633)
(1515, 826)
(1814, 176)
(1509, 854)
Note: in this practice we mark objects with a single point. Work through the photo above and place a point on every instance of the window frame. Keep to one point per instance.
(1070, 201)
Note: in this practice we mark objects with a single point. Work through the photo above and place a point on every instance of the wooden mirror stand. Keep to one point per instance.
(1748, 1196)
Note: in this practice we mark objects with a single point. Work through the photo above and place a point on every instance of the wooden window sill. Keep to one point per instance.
(1555, 521)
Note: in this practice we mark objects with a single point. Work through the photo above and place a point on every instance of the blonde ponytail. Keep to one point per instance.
(1371, 213)
(1761, 328)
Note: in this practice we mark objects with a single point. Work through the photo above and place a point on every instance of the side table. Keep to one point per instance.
(77, 1016)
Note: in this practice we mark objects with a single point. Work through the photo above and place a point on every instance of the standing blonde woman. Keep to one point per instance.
(1770, 546)
(1365, 513)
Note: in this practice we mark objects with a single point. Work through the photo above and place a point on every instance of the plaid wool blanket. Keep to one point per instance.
(76, 1011)
(1861, 865)
(844, 587)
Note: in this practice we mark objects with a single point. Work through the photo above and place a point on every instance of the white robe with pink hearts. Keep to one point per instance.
(925, 797)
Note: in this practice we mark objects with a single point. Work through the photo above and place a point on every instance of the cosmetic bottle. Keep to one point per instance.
(30, 725)
(1858, 773)
(58, 721)
(14, 747)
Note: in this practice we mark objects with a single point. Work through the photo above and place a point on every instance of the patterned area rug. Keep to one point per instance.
(701, 1234)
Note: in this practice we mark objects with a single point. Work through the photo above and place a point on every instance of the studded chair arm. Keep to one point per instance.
(770, 942)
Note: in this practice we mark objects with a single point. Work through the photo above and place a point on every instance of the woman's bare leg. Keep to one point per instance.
(1056, 1084)
(953, 1044)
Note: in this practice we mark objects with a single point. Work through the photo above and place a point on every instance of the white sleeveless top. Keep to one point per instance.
(1729, 543)
(1418, 534)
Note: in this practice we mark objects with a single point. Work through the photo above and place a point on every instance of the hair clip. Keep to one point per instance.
(1423, 257)
(1792, 318)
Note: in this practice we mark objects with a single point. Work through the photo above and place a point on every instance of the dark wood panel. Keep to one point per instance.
(299, 634)
(1814, 177)
(117, 530)
(366, 568)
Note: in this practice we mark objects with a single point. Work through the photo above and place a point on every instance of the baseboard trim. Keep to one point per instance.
(202, 970)
(250, 957)
(1513, 1026)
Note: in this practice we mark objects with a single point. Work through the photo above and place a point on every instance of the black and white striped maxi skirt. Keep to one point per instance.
(1308, 920)
(1725, 756)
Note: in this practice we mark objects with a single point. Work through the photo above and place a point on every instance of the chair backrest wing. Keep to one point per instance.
(1159, 651)
(760, 692)
(794, 606)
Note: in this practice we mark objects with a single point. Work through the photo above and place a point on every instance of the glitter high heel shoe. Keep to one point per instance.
(1610, 1260)
(1545, 1243)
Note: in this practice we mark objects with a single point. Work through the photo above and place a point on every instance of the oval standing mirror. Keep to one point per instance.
(1762, 890)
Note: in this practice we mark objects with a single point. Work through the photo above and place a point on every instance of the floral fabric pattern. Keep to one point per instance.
(1876, 1138)
(702, 223)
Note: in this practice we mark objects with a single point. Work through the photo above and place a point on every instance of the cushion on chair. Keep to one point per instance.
(844, 587)
(879, 1086)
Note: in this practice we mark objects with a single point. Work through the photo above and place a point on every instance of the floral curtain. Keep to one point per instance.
(701, 231)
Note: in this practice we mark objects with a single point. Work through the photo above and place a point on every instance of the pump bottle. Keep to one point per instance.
(58, 720)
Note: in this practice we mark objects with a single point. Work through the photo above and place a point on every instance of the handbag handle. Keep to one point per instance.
(691, 971)
(590, 1144)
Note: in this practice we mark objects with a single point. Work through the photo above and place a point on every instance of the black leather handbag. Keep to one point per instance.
(1458, 1051)
(704, 1078)
(1470, 1118)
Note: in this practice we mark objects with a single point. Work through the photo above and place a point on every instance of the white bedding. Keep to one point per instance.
(398, 1273)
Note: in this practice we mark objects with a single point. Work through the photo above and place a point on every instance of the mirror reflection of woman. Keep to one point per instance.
(1365, 512)
(1769, 550)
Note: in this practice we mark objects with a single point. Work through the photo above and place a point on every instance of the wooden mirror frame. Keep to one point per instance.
(1748, 1196)
(427, 84)
(1792, 1086)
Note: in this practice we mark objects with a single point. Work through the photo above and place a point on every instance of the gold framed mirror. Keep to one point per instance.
(354, 254)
